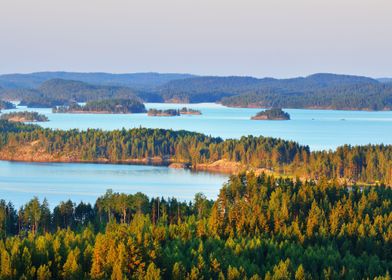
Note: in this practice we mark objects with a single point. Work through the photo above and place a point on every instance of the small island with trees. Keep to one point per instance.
(24, 116)
(272, 114)
(172, 112)
(163, 113)
(189, 111)
(108, 106)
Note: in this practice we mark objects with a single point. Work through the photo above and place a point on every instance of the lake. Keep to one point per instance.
(320, 129)
(20, 181)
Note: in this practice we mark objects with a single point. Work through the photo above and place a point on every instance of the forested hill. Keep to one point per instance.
(324, 91)
(82, 92)
(257, 228)
(351, 97)
(212, 89)
(239, 85)
(133, 80)
(385, 80)
(57, 92)
(371, 163)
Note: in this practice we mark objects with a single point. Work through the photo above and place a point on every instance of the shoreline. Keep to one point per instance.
(250, 106)
(218, 167)
(24, 120)
(222, 167)
(253, 106)
(97, 112)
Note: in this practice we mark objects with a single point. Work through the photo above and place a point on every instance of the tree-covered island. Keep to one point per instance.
(163, 113)
(189, 111)
(107, 106)
(272, 114)
(172, 112)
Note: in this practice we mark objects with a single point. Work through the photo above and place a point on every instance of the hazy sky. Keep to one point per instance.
(279, 38)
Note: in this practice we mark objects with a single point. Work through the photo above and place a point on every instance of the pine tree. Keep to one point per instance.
(300, 273)
(281, 271)
(71, 268)
(43, 272)
(6, 270)
(178, 271)
(153, 273)
(117, 273)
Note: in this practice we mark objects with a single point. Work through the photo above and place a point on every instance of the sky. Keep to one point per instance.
(262, 38)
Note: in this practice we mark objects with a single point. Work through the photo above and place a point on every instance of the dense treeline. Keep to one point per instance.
(59, 92)
(206, 89)
(9, 127)
(132, 80)
(82, 92)
(71, 91)
(115, 106)
(25, 116)
(326, 91)
(370, 163)
(39, 101)
(353, 97)
(258, 228)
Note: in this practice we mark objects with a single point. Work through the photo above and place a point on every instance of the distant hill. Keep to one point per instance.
(57, 92)
(371, 97)
(328, 79)
(322, 90)
(206, 89)
(80, 91)
(215, 89)
(385, 80)
(133, 80)
(235, 84)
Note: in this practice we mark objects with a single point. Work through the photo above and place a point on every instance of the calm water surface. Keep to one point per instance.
(19, 181)
(320, 129)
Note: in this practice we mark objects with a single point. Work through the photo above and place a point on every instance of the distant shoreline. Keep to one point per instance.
(249, 106)
(252, 106)
(97, 112)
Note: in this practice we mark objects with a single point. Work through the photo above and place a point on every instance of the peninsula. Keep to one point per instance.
(24, 117)
(22, 142)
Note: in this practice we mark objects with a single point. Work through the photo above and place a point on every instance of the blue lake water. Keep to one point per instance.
(320, 129)
(20, 181)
